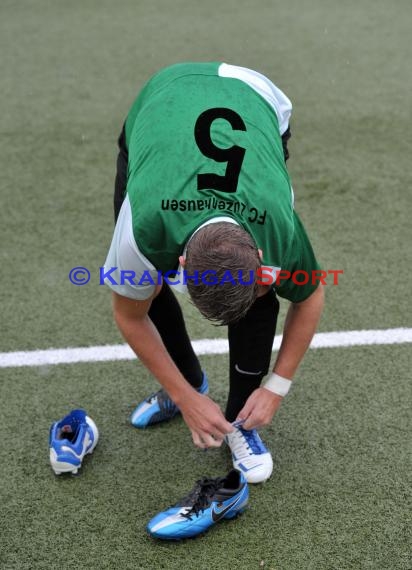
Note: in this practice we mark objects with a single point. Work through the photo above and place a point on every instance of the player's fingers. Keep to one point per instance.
(218, 434)
(222, 427)
(215, 434)
(246, 416)
(244, 413)
(210, 441)
(249, 424)
(247, 408)
(252, 422)
(218, 437)
(197, 440)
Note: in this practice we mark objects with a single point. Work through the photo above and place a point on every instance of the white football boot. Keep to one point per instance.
(250, 455)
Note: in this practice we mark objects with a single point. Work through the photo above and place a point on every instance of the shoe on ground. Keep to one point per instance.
(71, 438)
(250, 455)
(210, 501)
(159, 407)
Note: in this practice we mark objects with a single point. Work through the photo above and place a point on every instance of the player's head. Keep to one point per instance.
(220, 248)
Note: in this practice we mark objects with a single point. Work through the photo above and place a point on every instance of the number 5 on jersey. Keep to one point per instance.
(233, 155)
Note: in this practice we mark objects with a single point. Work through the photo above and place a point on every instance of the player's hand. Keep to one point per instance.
(259, 409)
(205, 420)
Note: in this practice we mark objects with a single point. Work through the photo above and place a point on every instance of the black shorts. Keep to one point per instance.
(120, 182)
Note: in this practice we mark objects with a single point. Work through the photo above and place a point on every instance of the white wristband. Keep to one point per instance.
(278, 385)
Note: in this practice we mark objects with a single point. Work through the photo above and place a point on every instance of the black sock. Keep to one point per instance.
(166, 315)
(250, 344)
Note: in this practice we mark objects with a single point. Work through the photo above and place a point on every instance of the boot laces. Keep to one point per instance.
(200, 497)
(246, 442)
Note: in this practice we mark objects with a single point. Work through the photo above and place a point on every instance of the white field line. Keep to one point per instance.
(203, 346)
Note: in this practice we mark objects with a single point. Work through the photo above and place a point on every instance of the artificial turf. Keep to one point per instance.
(339, 496)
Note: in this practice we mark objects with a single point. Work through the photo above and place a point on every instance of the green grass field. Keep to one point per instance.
(340, 496)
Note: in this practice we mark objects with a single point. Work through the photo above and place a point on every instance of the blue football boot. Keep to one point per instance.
(70, 440)
(210, 501)
(159, 407)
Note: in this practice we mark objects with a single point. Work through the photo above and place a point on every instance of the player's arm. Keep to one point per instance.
(300, 325)
(203, 417)
(131, 304)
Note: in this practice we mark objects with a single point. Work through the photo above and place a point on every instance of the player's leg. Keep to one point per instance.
(250, 345)
(251, 340)
(167, 317)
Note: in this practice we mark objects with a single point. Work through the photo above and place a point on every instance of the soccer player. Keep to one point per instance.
(202, 189)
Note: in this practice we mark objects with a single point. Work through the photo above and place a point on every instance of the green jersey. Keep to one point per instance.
(204, 141)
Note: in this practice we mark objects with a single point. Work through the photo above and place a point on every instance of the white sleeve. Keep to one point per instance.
(279, 102)
(126, 270)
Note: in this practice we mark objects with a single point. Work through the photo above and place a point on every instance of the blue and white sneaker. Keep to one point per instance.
(210, 501)
(159, 407)
(250, 455)
(70, 440)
